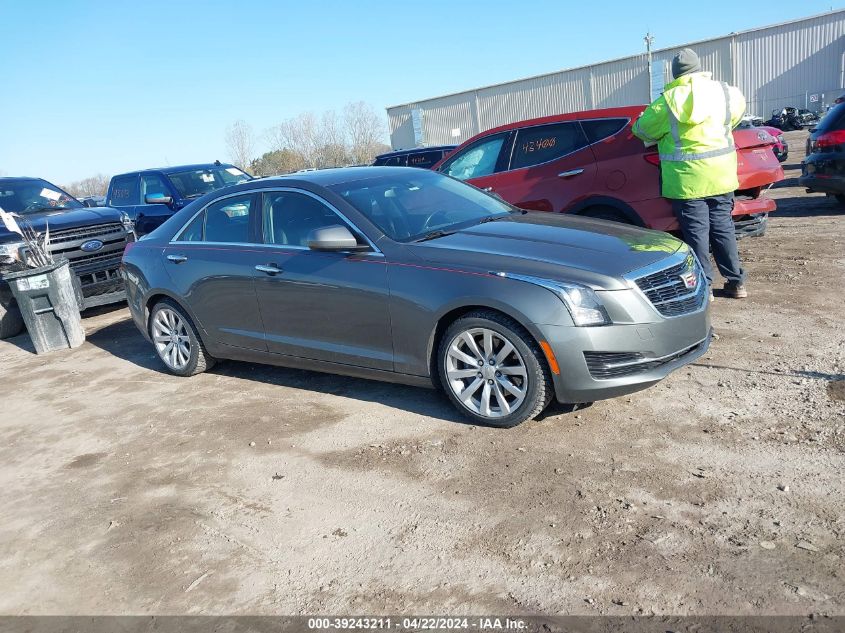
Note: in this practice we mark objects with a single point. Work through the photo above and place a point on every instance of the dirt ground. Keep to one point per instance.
(257, 490)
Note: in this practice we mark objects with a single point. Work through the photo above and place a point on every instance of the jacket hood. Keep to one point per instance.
(689, 97)
(592, 252)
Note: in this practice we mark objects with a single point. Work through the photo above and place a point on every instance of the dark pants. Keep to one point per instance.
(706, 223)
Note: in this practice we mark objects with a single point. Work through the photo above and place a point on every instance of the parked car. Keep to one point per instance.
(780, 147)
(590, 163)
(150, 196)
(423, 157)
(93, 201)
(824, 168)
(790, 118)
(410, 276)
(92, 239)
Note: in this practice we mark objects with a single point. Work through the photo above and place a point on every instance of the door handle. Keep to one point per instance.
(177, 259)
(570, 173)
(270, 269)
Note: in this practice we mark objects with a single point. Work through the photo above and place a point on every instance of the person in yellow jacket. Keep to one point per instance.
(692, 125)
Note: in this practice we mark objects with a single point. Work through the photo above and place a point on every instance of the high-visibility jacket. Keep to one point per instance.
(692, 123)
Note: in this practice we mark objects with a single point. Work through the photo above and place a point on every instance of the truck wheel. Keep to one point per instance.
(840, 198)
(11, 321)
(492, 370)
(177, 341)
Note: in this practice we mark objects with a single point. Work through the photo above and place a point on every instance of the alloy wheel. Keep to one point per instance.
(171, 338)
(486, 372)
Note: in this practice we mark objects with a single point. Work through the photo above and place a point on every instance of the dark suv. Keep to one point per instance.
(824, 168)
(92, 239)
(150, 196)
(423, 157)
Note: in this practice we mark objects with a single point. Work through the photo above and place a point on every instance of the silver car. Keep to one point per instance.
(411, 276)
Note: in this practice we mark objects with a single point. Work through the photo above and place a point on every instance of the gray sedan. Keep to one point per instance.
(413, 277)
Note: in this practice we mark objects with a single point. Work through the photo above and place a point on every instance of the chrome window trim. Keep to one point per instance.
(334, 209)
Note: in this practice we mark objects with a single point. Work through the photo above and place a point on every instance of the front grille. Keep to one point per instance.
(109, 231)
(96, 258)
(668, 292)
(607, 365)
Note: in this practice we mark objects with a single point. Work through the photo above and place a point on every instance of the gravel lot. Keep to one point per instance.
(259, 490)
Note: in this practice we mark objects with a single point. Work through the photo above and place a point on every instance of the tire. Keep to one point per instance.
(840, 198)
(11, 321)
(481, 402)
(176, 340)
(606, 213)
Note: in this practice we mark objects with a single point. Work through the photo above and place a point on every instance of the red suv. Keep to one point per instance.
(590, 163)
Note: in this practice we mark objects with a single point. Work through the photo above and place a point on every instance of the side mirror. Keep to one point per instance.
(157, 198)
(334, 238)
(89, 203)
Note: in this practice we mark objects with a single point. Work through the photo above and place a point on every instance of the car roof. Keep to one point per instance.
(172, 169)
(327, 177)
(582, 115)
(414, 150)
(8, 178)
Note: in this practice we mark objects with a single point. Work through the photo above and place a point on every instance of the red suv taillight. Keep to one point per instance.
(830, 140)
(654, 159)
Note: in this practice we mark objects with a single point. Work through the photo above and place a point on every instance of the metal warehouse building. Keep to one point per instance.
(799, 63)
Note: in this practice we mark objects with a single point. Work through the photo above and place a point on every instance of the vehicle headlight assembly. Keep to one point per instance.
(127, 222)
(11, 249)
(584, 306)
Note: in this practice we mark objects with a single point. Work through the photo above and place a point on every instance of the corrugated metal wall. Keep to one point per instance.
(773, 66)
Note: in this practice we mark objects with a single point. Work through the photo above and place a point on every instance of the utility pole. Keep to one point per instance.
(649, 40)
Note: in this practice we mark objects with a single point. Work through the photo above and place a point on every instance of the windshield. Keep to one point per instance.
(197, 182)
(33, 195)
(410, 206)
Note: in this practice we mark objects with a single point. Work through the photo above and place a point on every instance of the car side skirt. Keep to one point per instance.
(326, 367)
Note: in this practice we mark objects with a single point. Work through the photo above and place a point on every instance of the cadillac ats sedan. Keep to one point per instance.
(414, 277)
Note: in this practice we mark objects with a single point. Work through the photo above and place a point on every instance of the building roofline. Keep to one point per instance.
(617, 59)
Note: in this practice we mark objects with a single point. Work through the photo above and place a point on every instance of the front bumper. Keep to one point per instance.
(623, 359)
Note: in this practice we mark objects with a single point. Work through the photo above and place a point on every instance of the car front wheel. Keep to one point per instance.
(176, 340)
(492, 370)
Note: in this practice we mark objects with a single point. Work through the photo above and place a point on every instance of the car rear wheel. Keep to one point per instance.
(176, 340)
(493, 371)
(840, 198)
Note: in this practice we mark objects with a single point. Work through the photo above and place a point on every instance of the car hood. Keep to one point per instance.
(596, 253)
(59, 220)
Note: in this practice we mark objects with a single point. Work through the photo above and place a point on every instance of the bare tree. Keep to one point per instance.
(299, 135)
(332, 150)
(365, 130)
(277, 162)
(240, 142)
(96, 185)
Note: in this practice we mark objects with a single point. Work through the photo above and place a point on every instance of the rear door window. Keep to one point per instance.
(476, 160)
(225, 221)
(600, 129)
(124, 191)
(424, 160)
(544, 143)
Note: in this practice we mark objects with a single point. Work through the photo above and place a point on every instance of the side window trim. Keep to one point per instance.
(576, 122)
(344, 220)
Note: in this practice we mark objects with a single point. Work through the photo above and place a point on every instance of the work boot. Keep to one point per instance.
(735, 290)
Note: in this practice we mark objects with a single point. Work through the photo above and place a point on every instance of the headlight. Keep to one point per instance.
(127, 222)
(12, 249)
(584, 306)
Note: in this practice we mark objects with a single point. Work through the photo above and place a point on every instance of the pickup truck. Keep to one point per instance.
(92, 239)
(151, 196)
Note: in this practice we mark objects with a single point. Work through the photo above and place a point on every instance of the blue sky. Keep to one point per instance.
(107, 86)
